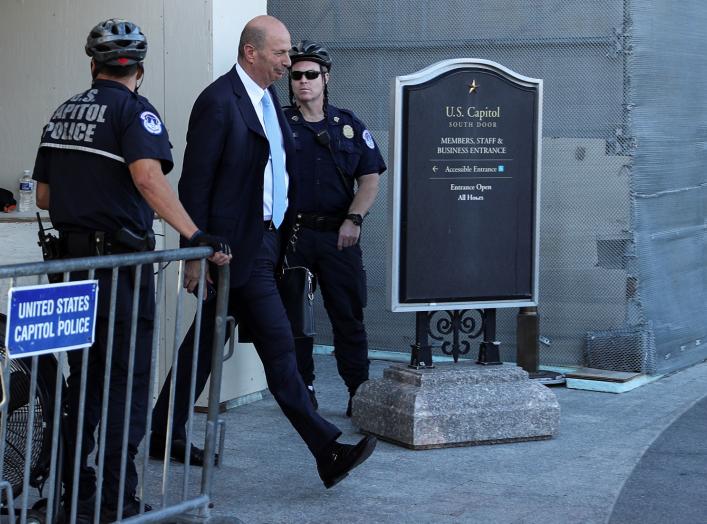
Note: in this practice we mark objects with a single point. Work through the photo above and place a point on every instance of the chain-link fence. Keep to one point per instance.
(623, 279)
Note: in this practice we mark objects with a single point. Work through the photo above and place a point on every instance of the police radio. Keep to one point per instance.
(51, 249)
(49, 243)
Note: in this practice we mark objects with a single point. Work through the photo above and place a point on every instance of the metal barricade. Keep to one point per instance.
(34, 396)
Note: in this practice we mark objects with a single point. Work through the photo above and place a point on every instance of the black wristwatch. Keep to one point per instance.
(355, 218)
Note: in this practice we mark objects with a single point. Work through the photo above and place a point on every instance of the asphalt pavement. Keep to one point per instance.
(639, 456)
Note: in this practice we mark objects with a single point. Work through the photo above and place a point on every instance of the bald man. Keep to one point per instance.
(236, 182)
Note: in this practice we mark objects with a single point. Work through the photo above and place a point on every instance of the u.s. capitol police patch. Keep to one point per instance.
(368, 139)
(151, 122)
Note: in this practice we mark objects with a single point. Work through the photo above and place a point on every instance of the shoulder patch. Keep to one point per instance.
(368, 139)
(151, 122)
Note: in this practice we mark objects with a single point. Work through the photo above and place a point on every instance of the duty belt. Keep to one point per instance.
(96, 243)
(319, 222)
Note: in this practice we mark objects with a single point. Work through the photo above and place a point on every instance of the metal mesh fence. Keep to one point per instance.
(616, 265)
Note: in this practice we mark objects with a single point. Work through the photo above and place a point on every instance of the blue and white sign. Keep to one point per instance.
(51, 317)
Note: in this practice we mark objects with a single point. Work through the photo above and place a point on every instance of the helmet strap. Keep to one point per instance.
(94, 69)
(140, 76)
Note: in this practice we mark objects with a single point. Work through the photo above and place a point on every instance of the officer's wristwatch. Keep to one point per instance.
(355, 218)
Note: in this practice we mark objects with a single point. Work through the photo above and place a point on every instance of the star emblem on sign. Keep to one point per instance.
(473, 86)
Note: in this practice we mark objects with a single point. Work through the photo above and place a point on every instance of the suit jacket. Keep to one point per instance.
(222, 177)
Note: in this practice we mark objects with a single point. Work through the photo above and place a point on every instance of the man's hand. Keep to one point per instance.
(191, 275)
(348, 234)
(222, 251)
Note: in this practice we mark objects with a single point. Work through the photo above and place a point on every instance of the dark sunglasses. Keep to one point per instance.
(309, 75)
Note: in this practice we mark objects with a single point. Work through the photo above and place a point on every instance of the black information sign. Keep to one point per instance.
(465, 187)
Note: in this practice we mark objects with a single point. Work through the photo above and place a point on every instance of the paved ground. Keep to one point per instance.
(648, 436)
(669, 483)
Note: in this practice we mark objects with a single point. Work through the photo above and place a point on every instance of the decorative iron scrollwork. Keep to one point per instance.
(463, 326)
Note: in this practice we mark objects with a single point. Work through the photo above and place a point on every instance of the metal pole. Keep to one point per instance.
(421, 351)
(489, 349)
(223, 287)
(528, 347)
(527, 334)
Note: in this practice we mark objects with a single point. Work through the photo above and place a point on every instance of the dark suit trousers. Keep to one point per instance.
(256, 304)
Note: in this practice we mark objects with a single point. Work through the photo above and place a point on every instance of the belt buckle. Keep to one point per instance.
(320, 222)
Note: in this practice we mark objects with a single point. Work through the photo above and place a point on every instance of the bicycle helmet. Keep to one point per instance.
(116, 42)
(312, 51)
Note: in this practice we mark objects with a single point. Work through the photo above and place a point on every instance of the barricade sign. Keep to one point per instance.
(51, 317)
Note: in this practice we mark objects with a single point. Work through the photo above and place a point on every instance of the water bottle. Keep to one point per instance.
(26, 192)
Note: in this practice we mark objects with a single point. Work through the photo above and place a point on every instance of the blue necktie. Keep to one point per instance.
(279, 192)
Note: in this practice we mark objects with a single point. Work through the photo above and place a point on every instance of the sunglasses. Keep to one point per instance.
(309, 75)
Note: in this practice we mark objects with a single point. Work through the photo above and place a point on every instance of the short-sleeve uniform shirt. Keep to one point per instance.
(84, 154)
(320, 186)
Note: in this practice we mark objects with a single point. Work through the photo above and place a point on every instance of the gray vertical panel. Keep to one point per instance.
(669, 181)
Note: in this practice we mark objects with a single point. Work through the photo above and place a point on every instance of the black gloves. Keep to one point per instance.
(204, 239)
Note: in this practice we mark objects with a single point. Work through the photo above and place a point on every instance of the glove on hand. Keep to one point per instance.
(200, 238)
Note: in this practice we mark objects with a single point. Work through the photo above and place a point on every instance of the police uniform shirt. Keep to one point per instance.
(84, 155)
(320, 187)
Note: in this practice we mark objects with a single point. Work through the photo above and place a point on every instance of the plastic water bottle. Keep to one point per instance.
(26, 192)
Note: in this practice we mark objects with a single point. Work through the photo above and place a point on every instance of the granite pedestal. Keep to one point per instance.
(455, 405)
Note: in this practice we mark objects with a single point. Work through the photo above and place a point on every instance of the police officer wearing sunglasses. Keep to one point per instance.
(339, 165)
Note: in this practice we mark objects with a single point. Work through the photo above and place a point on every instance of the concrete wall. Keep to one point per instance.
(42, 59)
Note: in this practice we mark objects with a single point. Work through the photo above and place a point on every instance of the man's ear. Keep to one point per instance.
(249, 52)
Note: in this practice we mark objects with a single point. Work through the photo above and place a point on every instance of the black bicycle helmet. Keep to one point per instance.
(312, 51)
(116, 42)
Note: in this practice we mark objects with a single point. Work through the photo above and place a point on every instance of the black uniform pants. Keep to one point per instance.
(117, 391)
(258, 305)
(342, 281)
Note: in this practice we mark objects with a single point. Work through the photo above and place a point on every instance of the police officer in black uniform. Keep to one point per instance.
(334, 150)
(100, 173)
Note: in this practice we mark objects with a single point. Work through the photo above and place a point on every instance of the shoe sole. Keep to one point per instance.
(367, 450)
(175, 460)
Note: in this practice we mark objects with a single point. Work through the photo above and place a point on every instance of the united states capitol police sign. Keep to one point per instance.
(51, 317)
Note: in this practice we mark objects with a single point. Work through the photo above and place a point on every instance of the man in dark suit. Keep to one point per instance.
(235, 184)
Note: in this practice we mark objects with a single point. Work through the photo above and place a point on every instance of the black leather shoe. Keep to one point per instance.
(313, 397)
(131, 507)
(84, 509)
(178, 452)
(336, 463)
